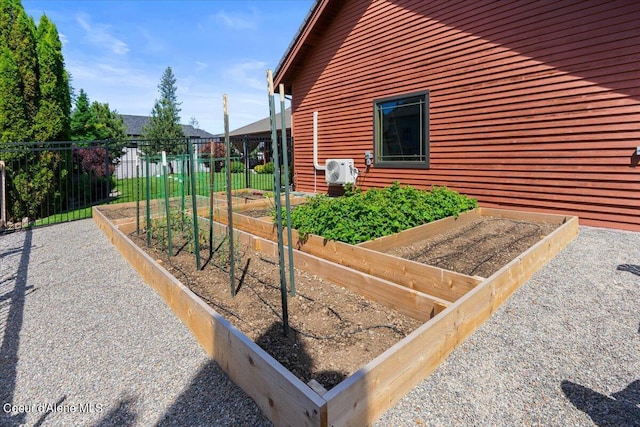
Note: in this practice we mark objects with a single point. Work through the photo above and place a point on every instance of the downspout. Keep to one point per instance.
(316, 165)
(315, 143)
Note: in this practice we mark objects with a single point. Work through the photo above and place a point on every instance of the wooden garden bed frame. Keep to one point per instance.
(365, 395)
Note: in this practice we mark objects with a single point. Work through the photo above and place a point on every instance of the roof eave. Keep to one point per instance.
(282, 72)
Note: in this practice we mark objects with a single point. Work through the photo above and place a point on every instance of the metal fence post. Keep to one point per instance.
(227, 151)
(247, 169)
(3, 197)
(106, 171)
(194, 207)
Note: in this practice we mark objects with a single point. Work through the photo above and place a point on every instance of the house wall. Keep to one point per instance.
(533, 104)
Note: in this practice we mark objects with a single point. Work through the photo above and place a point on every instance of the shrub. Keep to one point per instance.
(36, 187)
(237, 167)
(219, 153)
(266, 168)
(360, 216)
(94, 173)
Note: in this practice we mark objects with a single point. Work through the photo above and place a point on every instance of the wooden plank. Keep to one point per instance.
(367, 394)
(435, 281)
(525, 215)
(407, 301)
(282, 397)
(317, 387)
(407, 237)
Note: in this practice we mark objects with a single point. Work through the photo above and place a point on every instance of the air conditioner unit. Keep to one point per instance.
(340, 171)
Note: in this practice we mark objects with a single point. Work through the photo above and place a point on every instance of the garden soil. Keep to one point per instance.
(478, 249)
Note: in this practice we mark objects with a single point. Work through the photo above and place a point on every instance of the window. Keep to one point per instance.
(401, 131)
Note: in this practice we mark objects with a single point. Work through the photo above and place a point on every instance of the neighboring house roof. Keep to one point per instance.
(134, 124)
(322, 12)
(262, 126)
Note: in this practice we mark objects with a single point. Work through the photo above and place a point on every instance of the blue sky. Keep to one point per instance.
(117, 51)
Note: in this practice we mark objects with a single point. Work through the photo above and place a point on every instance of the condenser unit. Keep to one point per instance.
(340, 171)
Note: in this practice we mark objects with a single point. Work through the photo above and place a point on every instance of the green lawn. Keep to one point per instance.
(180, 185)
(64, 217)
(126, 190)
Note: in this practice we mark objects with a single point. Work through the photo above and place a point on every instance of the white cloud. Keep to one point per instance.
(201, 66)
(109, 74)
(236, 21)
(100, 35)
(63, 39)
(250, 74)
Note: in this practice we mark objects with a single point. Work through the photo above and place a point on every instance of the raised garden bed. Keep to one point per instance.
(450, 305)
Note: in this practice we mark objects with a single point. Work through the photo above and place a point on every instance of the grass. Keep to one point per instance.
(126, 190)
(179, 185)
(64, 217)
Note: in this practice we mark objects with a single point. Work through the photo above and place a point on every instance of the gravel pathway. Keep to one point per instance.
(81, 330)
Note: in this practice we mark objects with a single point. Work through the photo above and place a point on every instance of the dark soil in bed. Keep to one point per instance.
(333, 331)
(478, 249)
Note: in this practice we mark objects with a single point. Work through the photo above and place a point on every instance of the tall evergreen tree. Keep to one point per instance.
(164, 124)
(95, 121)
(82, 122)
(13, 119)
(22, 43)
(108, 123)
(52, 119)
(8, 14)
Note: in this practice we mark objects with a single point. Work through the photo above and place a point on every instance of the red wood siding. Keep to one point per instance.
(533, 104)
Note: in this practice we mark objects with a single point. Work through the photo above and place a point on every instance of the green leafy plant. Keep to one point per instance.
(236, 167)
(359, 216)
(266, 168)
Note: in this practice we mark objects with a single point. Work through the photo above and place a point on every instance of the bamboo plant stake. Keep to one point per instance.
(285, 161)
(278, 203)
(227, 143)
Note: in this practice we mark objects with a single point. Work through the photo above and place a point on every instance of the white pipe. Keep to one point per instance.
(315, 143)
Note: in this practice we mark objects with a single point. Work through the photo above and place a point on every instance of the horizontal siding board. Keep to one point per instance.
(532, 104)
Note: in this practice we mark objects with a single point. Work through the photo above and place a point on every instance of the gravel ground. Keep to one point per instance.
(81, 332)
(80, 329)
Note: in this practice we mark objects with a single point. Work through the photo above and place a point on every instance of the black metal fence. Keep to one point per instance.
(52, 182)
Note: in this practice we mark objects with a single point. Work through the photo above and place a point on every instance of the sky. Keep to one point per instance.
(117, 51)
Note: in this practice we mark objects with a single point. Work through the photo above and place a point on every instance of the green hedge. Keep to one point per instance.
(359, 216)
